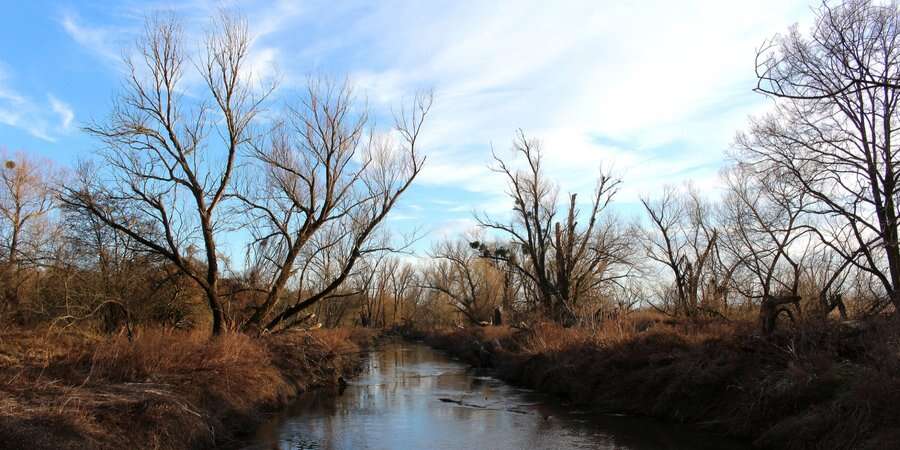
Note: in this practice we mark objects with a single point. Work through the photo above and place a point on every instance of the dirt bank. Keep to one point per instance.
(163, 390)
(824, 386)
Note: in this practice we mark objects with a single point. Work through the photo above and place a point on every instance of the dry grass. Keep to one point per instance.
(165, 389)
(819, 386)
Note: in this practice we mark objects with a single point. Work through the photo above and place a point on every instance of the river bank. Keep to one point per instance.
(162, 390)
(822, 387)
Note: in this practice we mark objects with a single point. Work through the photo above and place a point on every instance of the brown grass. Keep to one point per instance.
(166, 389)
(819, 386)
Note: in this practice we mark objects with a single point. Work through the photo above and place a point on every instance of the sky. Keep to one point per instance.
(652, 90)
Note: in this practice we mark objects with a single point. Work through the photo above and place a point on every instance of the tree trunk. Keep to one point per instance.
(274, 292)
(771, 308)
(12, 271)
(215, 307)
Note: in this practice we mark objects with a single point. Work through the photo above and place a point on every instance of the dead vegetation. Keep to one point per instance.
(164, 389)
(821, 386)
(717, 312)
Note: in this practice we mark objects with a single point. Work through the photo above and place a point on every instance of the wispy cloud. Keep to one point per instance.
(665, 85)
(454, 228)
(22, 112)
(653, 91)
(103, 42)
(653, 75)
(66, 115)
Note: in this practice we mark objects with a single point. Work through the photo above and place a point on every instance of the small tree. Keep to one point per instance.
(463, 277)
(25, 202)
(683, 239)
(404, 291)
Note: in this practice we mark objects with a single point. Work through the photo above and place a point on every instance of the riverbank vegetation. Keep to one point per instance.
(160, 388)
(210, 259)
(820, 386)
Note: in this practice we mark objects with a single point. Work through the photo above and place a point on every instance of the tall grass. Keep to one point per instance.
(819, 385)
(161, 389)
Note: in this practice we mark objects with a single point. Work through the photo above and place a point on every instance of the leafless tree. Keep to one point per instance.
(403, 284)
(684, 239)
(504, 258)
(318, 264)
(103, 266)
(25, 202)
(765, 229)
(324, 172)
(169, 158)
(832, 129)
(561, 259)
(459, 273)
(828, 273)
(372, 289)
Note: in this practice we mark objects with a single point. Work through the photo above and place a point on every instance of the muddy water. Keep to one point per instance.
(413, 397)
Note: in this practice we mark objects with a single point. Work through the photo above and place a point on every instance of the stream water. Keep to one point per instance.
(413, 397)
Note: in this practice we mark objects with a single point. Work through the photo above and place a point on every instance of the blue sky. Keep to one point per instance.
(654, 90)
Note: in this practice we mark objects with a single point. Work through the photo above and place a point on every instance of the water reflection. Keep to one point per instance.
(412, 397)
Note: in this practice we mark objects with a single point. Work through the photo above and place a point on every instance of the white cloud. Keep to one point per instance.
(66, 115)
(20, 111)
(263, 65)
(652, 74)
(652, 90)
(6, 93)
(103, 42)
(454, 227)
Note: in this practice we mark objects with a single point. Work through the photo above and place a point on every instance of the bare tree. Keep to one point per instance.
(403, 285)
(560, 259)
(504, 258)
(765, 230)
(828, 272)
(25, 202)
(684, 239)
(832, 129)
(105, 266)
(318, 265)
(372, 289)
(326, 173)
(168, 159)
(459, 273)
